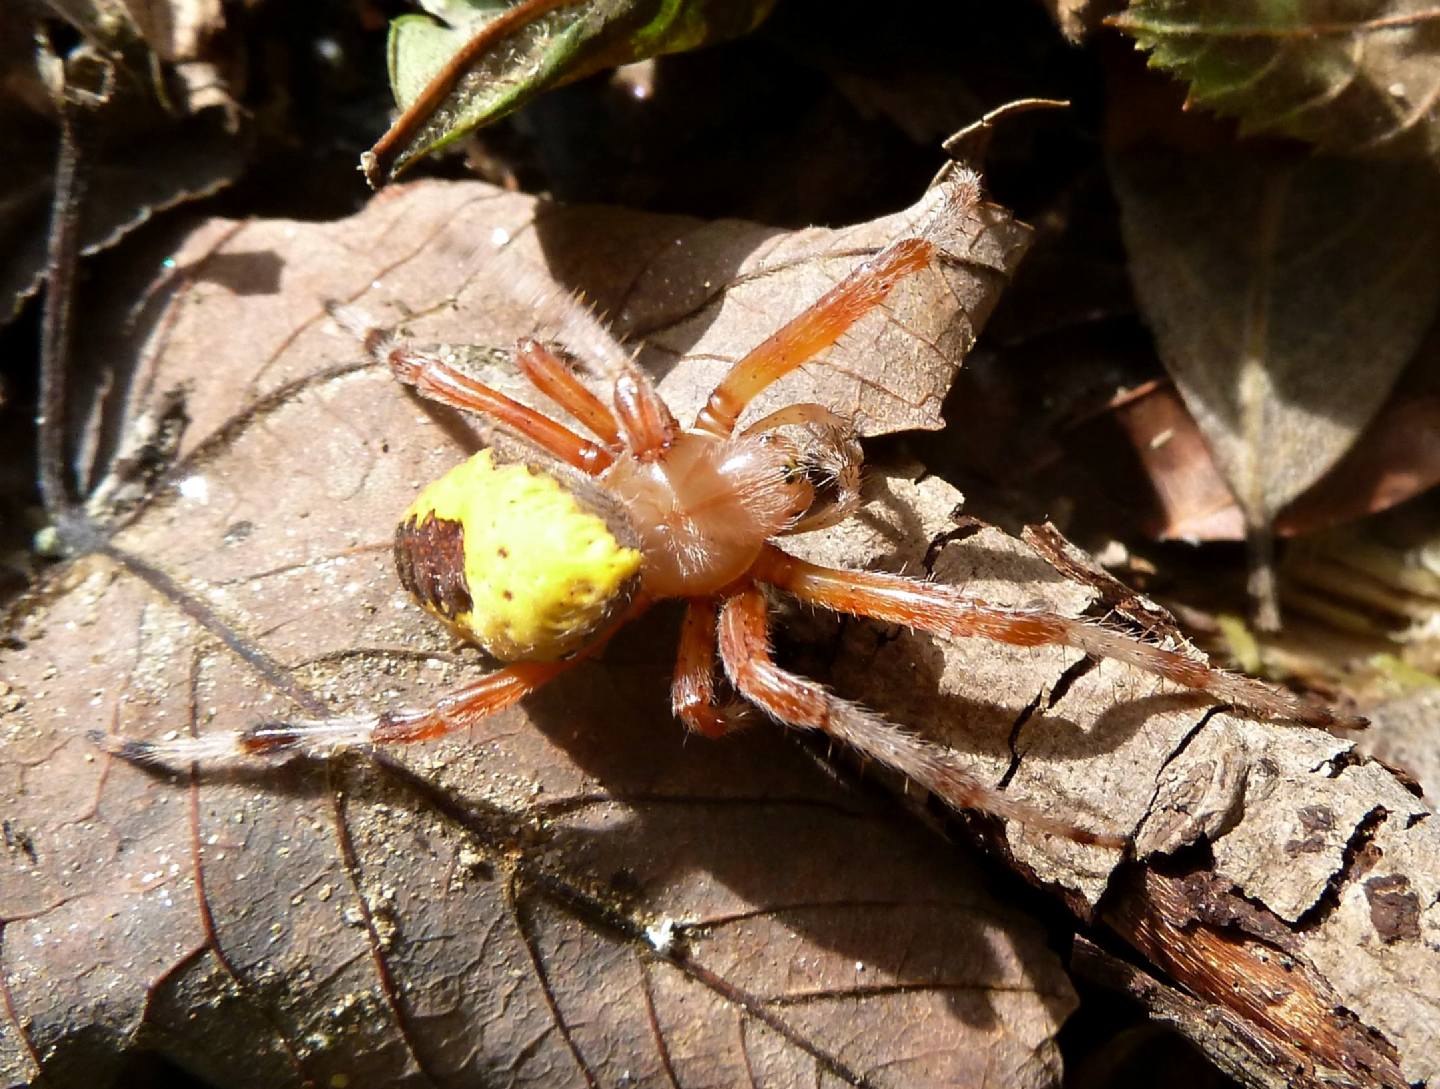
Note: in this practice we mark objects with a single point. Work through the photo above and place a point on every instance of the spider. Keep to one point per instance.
(540, 560)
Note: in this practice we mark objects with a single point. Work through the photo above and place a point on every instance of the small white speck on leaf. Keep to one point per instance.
(194, 487)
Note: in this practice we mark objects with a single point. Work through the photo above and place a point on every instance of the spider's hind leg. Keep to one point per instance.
(320, 737)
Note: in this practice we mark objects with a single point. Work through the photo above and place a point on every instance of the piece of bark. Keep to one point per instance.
(1279, 877)
(1227, 1038)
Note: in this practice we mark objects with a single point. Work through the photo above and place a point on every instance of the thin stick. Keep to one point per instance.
(55, 330)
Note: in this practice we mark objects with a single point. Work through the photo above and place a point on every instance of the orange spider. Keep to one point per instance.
(539, 563)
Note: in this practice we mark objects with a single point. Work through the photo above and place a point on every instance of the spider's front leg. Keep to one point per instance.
(946, 610)
(811, 332)
(796, 701)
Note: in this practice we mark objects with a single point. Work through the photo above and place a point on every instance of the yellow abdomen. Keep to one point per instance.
(515, 560)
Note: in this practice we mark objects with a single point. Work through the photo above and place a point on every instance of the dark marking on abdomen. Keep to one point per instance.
(430, 557)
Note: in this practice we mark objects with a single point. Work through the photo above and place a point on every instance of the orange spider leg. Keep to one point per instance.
(811, 332)
(945, 610)
(646, 422)
(692, 693)
(551, 377)
(437, 380)
(796, 701)
(458, 709)
(454, 711)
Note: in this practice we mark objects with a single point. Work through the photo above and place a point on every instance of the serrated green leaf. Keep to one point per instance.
(1357, 77)
(560, 43)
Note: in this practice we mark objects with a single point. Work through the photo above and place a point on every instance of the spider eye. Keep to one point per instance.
(520, 563)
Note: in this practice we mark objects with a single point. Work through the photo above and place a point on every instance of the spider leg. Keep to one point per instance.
(811, 331)
(454, 711)
(551, 377)
(432, 377)
(796, 701)
(646, 423)
(945, 610)
(692, 693)
(318, 737)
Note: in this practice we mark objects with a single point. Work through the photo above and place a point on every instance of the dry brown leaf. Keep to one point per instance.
(1286, 298)
(498, 907)
(578, 891)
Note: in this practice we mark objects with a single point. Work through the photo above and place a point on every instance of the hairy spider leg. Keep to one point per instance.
(692, 693)
(456, 710)
(796, 701)
(318, 737)
(439, 381)
(646, 422)
(945, 610)
(811, 331)
(549, 374)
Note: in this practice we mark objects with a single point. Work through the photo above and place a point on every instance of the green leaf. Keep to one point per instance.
(471, 62)
(1356, 77)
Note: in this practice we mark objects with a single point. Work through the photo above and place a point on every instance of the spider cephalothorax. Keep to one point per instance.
(539, 560)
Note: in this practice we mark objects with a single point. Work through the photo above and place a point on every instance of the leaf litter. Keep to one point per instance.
(1355, 79)
(1283, 324)
(491, 902)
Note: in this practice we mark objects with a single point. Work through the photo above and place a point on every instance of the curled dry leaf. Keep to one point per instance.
(1358, 77)
(575, 892)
